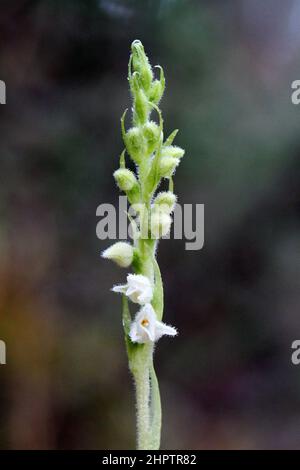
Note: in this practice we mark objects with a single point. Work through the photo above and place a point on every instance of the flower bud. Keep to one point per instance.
(160, 224)
(151, 133)
(172, 151)
(141, 104)
(165, 202)
(141, 107)
(140, 64)
(156, 92)
(125, 179)
(157, 87)
(167, 166)
(135, 144)
(121, 253)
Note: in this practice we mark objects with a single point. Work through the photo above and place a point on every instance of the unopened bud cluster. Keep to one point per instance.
(144, 144)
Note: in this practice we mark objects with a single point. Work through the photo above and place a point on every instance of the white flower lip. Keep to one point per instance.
(146, 328)
(138, 289)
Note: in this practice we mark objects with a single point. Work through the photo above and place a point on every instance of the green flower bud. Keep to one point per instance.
(140, 64)
(157, 88)
(172, 151)
(160, 224)
(151, 132)
(165, 202)
(141, 104)
(135, 144)
(125, 179)
(141, 107)
(156, 92)
(121, 253)
(167, 166)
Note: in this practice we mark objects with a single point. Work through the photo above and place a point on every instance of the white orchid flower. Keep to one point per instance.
(138, 289)
(146, 327)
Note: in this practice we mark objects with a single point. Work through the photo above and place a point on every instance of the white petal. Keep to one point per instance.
(149, 332)
(120, 289)
(139, 289)
(130, 290)
(162, 329)
(143, 327)
(133, 333)
(133, 295)
(149, 312)
(146, 296)
(138, 281)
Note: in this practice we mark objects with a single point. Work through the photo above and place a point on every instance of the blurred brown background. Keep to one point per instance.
(227, 381)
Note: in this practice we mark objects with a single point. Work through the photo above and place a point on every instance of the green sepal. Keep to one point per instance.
(170, 139)
(157, 87)
(134, 195)
(122, 159)
(123, 130)
(136, 262)
(158, 294)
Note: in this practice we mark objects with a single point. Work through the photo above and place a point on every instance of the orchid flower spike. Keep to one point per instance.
(138, 288)
(146, 328)
(149, 212)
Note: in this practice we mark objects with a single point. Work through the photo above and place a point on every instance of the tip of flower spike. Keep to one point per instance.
(139, 63)
(136, 43)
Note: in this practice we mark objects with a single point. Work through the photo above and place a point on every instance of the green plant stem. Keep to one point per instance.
(155, 405)
(142, 388)
(148, 405)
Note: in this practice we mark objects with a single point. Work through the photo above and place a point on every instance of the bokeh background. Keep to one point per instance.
(227, 381)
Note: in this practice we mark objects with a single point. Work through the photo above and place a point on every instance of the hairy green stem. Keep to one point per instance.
(148, 405)
(155, 406)
(148, 408)
(142, 388)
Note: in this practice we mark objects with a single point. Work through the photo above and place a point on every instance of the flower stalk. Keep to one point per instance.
(155, 160)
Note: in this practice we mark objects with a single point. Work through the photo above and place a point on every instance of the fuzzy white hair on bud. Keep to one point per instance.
(160, 224)
(121, 253)
(125, 179)
(165, 202)
(172, 151)
(168, 166)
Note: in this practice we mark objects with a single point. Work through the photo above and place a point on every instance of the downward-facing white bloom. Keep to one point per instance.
(138, 289)
(146, 327)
